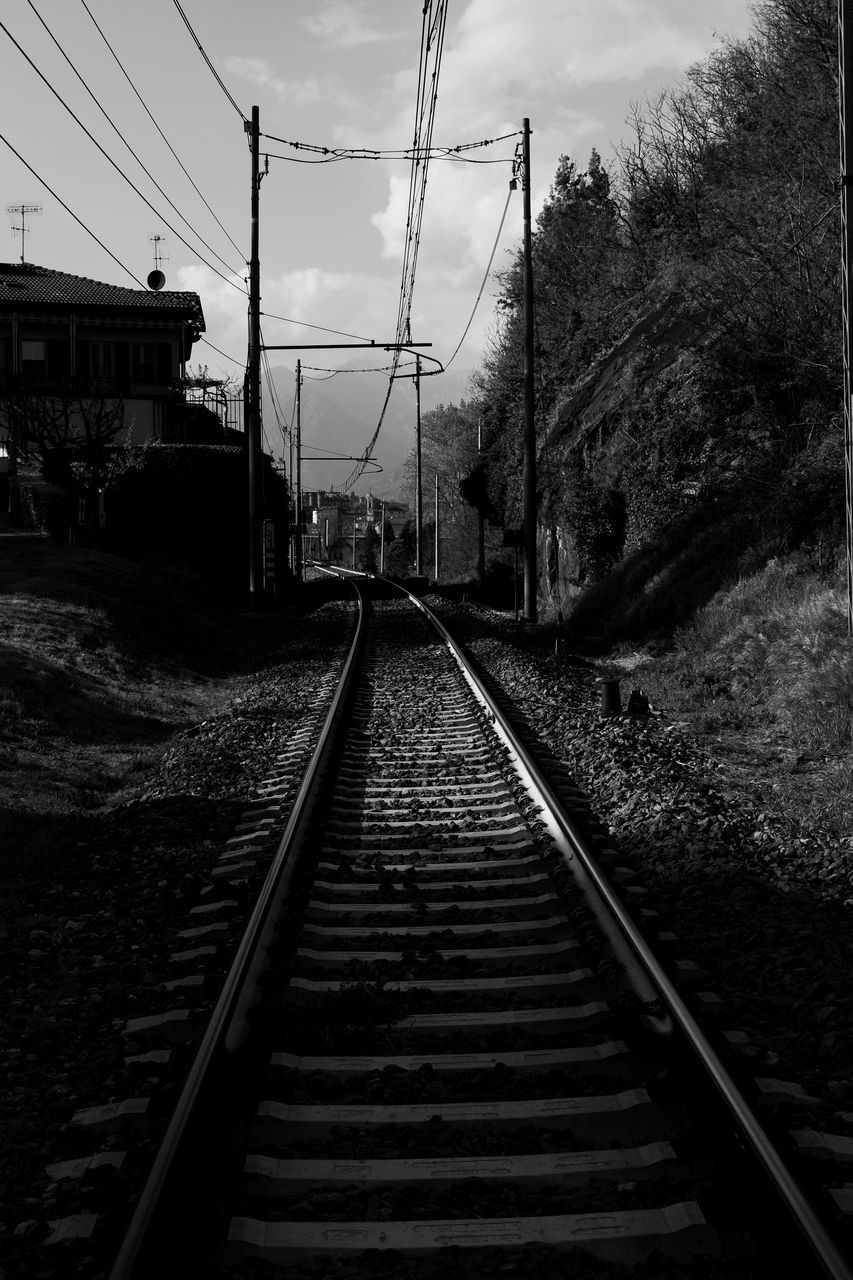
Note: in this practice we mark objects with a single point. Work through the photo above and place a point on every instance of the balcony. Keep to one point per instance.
(33, 384)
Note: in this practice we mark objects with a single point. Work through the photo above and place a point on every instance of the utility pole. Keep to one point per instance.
(290, 498)
(419, 507)
(253, 381)
(481, 519)
(529, 468)
(297, 545)
(845, 96)
(435, 576)
(382, 539)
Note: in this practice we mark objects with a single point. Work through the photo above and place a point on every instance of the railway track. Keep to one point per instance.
(438, 1051)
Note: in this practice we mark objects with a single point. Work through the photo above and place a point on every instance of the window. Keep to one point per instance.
(101, 356)
(143, 361)
(34, 356)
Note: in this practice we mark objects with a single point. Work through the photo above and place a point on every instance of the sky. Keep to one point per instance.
(328, 73)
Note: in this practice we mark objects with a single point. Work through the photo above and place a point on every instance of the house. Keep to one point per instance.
(72, 342)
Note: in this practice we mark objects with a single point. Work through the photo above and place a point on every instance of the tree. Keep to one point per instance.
(369, 548)
(74, 436)
(687, 304)
(449, 436)
(400, 556)
(582, 281)
(729, 193)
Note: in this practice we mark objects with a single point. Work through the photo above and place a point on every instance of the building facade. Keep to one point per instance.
(70, 346)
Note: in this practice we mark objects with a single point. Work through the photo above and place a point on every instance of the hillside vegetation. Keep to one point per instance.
(688, 336)
(689, 409)
(688, 330)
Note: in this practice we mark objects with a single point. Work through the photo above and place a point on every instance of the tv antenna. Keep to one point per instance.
(156, 278)
(21, 210)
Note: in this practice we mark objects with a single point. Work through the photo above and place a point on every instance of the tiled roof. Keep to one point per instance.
(30, 284)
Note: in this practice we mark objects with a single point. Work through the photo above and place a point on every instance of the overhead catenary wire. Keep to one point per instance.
(161, 133)
(118, 169)
(433, 27)
(120, 135)
(433, 152)
(70, 211)
(386, 368)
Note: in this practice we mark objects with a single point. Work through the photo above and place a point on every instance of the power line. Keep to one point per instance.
(362, 462)
(417, 187)
(213, 70)
(289, 320)
(79, 221)
(432, 40)
(225, 354)
(108, 157)
(118, 132)
(485, 278)
(160, 131)
(278, 412)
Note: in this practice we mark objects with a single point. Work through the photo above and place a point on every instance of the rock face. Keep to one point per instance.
(661, 341)
(664, 335)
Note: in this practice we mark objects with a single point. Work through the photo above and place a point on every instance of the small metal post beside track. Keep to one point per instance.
(611, 702)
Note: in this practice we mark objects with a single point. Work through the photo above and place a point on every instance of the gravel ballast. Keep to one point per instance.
(91, 946)
(768, 929)
(91, 943)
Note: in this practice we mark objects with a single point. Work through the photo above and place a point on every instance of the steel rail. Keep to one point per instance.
(224, 1028)
(572, 845)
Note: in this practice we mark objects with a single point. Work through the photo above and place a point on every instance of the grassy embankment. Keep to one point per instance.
(763, 673)
(101, 663)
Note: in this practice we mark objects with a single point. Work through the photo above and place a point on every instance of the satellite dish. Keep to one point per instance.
(156, 280)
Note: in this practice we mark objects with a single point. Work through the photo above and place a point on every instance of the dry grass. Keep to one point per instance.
(100, 664)
(777, 642)
(764, 674)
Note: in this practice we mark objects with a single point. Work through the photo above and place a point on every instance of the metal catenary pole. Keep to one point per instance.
(529, 470)
(845, 90)
(419, 508)
(253, 381)
(481, 519)
(298, 557)
(435, 576)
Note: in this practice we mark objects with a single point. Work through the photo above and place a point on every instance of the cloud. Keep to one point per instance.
(344, 25)
(297, 93)
(570, 42)
(502, 63)
(354, 304)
